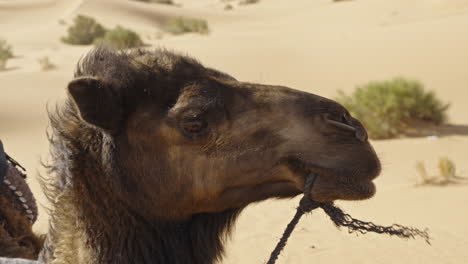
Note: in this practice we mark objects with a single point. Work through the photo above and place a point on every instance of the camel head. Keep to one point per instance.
(184, 139)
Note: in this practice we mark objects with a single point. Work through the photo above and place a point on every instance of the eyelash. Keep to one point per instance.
(193, 128)
(194, 125)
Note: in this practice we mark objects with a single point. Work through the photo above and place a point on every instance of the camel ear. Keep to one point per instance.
(97, 102)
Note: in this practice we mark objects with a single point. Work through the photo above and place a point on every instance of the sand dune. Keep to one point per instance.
(317, 46)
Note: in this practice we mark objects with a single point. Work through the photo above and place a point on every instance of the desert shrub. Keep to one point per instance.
(181, 25)
(6, 53)
(120, 38)
(84, 31)
(248, 2)
(167, 2)
(388, 108)
(45, 64)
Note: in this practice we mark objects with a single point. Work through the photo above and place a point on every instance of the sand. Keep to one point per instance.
(316, 46)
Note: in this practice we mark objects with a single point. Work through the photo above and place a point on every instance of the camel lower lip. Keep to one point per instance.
(370, 186)
(347, 190)
(363, 190)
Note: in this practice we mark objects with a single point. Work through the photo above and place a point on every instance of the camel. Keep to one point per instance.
(154, 156)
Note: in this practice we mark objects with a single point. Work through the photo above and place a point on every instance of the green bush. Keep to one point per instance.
(181, 25)
(5, 53)
(84, 31)
(388, 108)
(120, 38)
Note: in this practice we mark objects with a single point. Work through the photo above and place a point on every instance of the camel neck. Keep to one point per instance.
(118, 235)
(198, 240)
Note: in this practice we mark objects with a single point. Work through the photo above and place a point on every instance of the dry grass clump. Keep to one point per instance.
(84, 31)
(389, 108)
(181, 25)
(447, 169)
(447, 173)
(46, 64)
(120, 38)
(6, 53)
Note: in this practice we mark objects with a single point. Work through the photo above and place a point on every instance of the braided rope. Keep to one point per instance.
(341, 218)
(305, 205)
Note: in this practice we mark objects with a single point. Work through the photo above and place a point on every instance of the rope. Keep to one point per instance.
(340, 218)
(305, 205)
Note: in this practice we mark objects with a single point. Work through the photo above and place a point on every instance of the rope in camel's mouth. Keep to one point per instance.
(340, 219)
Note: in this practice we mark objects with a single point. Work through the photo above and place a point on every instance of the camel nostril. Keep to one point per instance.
(359, 131)
(361, 134)
(341, 123)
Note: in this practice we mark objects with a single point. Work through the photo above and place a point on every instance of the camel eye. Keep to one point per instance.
(193, 126)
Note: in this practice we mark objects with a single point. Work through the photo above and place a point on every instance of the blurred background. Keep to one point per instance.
(399, 66)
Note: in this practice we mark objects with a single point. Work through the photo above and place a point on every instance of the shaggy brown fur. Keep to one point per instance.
(155, 155)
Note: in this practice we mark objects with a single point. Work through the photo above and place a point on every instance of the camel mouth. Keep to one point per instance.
(303, 168)
(333, 184)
